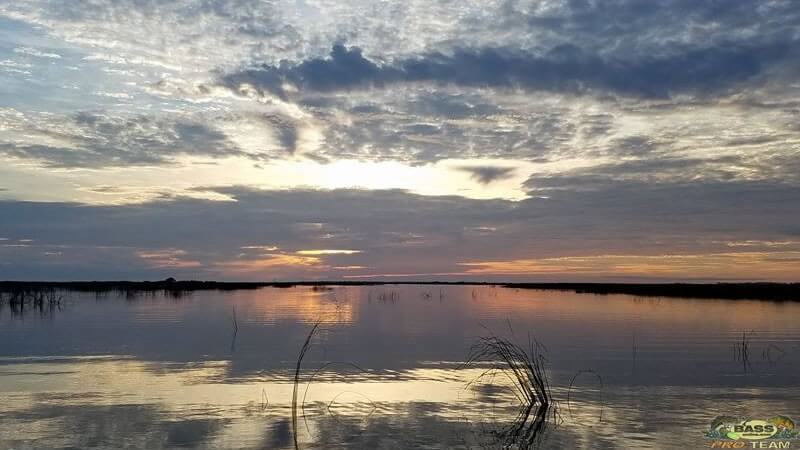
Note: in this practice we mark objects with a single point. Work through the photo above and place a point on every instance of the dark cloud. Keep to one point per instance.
(663, 169)
(489, 174)
(100, 140)
(286, 131)
(419, 127)
(608, 19)
(638, 146)
(581, 214)
(563, 68)
(678, 165)
(103, 241)
(451, 105)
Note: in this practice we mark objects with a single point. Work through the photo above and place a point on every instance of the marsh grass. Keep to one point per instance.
(733, 291)
(264, 400)
(303, 350)
(299, 405)
(45, 300)
(322, 369)
(572, 385)
(524, 365)
(741, 351)
(773, 353)
(235, 323)
(391, 296)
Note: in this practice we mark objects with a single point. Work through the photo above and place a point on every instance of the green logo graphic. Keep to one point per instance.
(736, 428)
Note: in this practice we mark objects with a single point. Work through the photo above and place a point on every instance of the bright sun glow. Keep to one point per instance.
(446, 177)
(327, 252)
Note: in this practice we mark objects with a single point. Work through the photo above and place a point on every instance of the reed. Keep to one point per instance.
(44, 300)
(524, 366)
(303, 350)
(741, 351)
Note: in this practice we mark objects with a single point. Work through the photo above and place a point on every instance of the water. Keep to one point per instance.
(386, 369)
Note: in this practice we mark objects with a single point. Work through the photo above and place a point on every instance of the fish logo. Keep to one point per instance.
(728, 428)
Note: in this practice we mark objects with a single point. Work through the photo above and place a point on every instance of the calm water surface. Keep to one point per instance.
(386, 370)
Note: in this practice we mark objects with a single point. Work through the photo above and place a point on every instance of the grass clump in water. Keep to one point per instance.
(524, 366)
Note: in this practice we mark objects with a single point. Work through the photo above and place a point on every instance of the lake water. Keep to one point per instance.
(386, 368)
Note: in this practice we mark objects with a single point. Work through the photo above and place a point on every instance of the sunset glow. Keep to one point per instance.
(287, 141)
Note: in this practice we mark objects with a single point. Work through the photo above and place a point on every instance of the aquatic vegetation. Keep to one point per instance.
(391, 296)
(730, 291)
(773, 353)
(741, 351)
(264, 400)
(45, 300)
(525, 368)
(572, 384)
(303, 350)
(235, 322)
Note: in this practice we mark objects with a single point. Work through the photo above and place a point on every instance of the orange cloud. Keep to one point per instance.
(167, 258)
(268, 248)
(742, 265)
(271, 261)
(327, 252)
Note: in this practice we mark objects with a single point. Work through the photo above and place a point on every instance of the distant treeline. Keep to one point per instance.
(729, 291)
(754, 291)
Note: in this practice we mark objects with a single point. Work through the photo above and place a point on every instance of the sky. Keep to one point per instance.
(565, 140)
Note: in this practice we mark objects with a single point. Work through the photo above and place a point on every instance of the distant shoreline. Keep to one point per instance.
(727, 291)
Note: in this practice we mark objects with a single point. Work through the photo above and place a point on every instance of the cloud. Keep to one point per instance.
(328, 252)
(176, 37)
(401, 233)
(268, 248)
(270, 264)
(287, 132)
(487, 81)
(93, 140)
(35, 52)
(732, 170)
(756, 243)
(711, 266)
(488, 174)
(167, 258)
(566, 68)
(647, 127)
